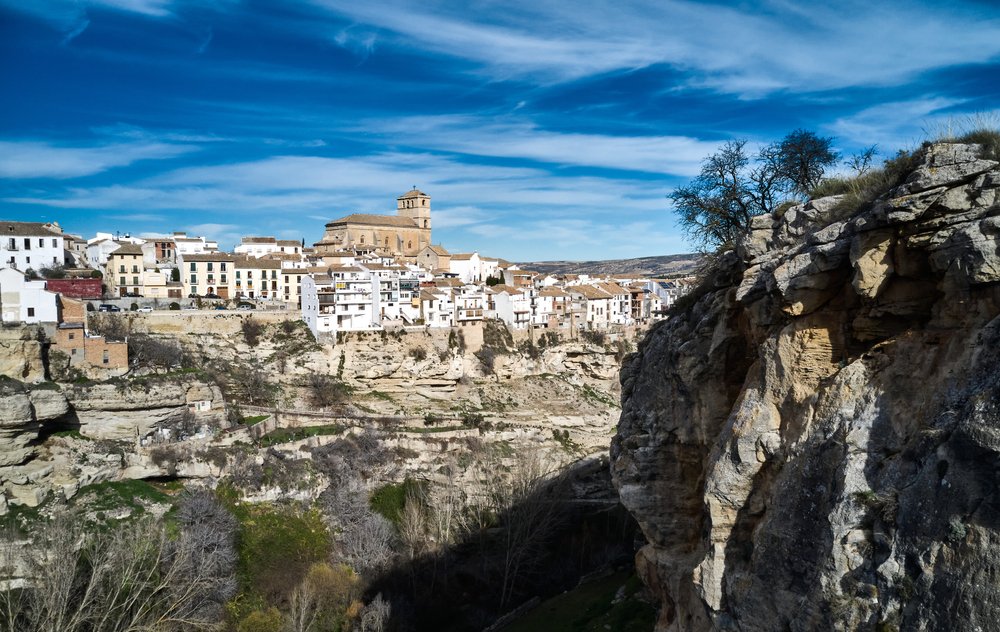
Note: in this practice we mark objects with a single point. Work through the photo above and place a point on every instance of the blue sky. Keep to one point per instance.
(542, 129)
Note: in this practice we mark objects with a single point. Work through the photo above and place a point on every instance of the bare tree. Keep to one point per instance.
(862, 162)
(375, 615)
(133, 578)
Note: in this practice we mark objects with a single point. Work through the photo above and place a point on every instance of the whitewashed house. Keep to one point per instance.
(24, 301)
(34, 245)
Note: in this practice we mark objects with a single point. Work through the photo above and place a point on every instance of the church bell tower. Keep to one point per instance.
(417, 206)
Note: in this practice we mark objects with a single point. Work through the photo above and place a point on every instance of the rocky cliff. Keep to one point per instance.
(814, 443)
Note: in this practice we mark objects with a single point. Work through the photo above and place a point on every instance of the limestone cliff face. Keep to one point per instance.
(815, 443)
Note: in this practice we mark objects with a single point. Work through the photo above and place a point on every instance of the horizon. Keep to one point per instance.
(541, 133)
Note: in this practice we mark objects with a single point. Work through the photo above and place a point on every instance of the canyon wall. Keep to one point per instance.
(813, 443)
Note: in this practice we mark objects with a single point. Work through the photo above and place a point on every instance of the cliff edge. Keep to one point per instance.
(815, 442)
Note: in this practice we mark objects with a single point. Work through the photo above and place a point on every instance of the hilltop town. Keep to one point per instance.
(367, 272)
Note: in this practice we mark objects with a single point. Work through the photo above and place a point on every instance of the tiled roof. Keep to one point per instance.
(289, 242)
(127, 249)
(258, 264)
(374, 220)
(438, 250)
(258, 240)
(463, 257)
(552, 291)
(589, 292)
(412, 194)
(208, 256)
(27, 229)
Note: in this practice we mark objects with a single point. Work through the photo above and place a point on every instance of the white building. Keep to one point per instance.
(256, 246)
(34, 245)
(437, 308)
(512, 306)
(24, 301)
(194, 245)
(467, 267)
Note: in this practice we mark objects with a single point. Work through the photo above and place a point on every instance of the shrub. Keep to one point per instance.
(987, 139)
(431, 419)
(487, 357)
(134, 307)
(418, 353)
(456, 340)
(96, 274)
(252, 331)
(325, 391)
(175, 306)
(594, 337)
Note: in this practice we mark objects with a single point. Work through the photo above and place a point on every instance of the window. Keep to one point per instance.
(121, 269)
(121, 281)
(31, 312)
(135, 280)
(72, 335)
(223, 279)
(27, 259)
(11, 243)
(54, 244)
(209, 266)
(286, 278)
(74, 350)
(106, 358)
(222, 266)
(237, 274)
(135, 269)
(194, 279)
(27, 244)
(193, 268)
(41, 242)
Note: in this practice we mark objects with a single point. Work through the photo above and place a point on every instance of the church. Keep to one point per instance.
(404, 234)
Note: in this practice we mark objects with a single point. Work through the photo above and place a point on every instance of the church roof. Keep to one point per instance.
(375, 220)
(412, 194)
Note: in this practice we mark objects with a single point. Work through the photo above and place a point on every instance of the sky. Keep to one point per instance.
(541, 129)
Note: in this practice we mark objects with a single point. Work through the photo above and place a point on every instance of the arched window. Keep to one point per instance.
(424, 202)
(409, 245)
(386, 242)
(362, 239)
(425, 223)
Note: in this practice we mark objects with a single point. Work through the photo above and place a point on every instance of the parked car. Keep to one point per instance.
(105, 307)
(187, 307)
(146, 310)
(212, 296)
(220, 307)
(245, 306)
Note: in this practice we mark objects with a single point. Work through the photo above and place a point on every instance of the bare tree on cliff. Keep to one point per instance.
(717, 206)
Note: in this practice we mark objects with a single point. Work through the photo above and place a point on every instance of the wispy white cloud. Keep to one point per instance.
(749, 49)
(37, 159)
(535, 208)
(894, 125)
(677, 155)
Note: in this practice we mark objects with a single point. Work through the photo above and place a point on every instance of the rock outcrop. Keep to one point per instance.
(814, 443)
(131, 410)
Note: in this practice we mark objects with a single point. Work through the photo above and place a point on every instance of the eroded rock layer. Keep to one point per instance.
(814, 444)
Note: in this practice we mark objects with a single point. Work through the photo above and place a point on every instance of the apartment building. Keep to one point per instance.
(258, 279)
(31, 245)
(124, 271)
(207, 274)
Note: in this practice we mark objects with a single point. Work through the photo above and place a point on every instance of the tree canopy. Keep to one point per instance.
(716, 207)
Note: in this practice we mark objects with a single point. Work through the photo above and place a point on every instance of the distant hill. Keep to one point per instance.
(663, 266)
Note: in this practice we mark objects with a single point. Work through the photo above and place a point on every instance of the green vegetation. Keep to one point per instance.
(287, 435)
(253, 419)
(130, 497)
(276, 545)
(591, 607)
(390, 499)
(598, 396)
